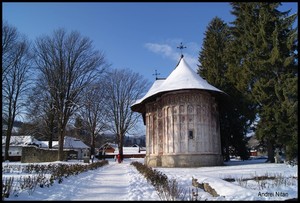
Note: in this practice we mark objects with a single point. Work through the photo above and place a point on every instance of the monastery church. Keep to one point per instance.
(182, 120)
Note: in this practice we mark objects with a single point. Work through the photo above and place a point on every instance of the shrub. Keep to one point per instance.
(166, 189)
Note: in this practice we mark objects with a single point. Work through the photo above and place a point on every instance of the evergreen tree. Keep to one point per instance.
(235, 115)
(262, 64)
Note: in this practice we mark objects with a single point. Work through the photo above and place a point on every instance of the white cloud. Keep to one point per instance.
(167, 50)
(164, 49)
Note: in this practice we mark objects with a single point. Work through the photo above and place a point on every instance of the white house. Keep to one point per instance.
(17, 143)
(75, 144)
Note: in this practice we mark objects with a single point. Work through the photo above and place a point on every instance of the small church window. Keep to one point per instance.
(191, 134)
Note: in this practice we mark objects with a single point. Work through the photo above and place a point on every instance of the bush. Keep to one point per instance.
(166, 189)
(57, 171)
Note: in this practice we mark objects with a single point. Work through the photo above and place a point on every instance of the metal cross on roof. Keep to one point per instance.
(156, 74)
(181, 47)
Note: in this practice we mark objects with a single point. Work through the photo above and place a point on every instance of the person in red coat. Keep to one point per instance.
(119, 158)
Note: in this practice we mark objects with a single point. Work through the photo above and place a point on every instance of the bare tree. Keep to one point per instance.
(67, 63)
(123, 87)
(93, 111)
(10, 36)
(16, 60)
(41, 112)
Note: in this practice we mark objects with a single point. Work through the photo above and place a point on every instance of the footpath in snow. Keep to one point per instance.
(111, 182)
(100, 184)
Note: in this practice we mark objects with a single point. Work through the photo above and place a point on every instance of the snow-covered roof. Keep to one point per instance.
(69, 142)
(152, 91)
(72, 143)
(113, 145)
(183, 77)
(22, 141)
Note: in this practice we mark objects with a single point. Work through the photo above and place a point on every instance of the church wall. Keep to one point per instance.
(183, 127)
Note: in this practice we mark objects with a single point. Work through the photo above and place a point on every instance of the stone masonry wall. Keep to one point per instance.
(34, 154)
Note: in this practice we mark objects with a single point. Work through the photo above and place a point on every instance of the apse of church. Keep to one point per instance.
(182, 121)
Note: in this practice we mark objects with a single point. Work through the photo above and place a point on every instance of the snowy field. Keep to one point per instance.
(123, 182)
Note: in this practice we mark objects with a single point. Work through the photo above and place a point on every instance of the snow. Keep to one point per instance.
(182, 77)
(70, 143)
(130, 150)
(154, 89)
(23, 140)
(123, 182)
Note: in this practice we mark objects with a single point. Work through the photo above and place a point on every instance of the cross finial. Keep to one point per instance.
(181, 47)
(156, 74)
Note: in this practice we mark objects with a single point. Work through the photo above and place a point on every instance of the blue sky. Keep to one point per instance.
(138, 36)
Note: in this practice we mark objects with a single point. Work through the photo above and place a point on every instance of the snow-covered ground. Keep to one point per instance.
(123, 182)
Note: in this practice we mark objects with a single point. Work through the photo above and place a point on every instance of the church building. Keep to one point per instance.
(182, 120)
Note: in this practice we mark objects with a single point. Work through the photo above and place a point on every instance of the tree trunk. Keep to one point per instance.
(270, 147)
(60, 147)
(121, 146)
(225, 148)
(93, 144)
(51, 126)
(7, 141)
(51, 137)
(50, 144)
(227, 156)
(8, 135)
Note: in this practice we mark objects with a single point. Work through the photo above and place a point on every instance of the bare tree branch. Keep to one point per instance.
(16, 61)
(123, 88)
(94, 111)
(67, 63)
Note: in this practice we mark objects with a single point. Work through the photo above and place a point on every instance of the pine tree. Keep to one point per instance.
(262, 63)
(234, 110)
